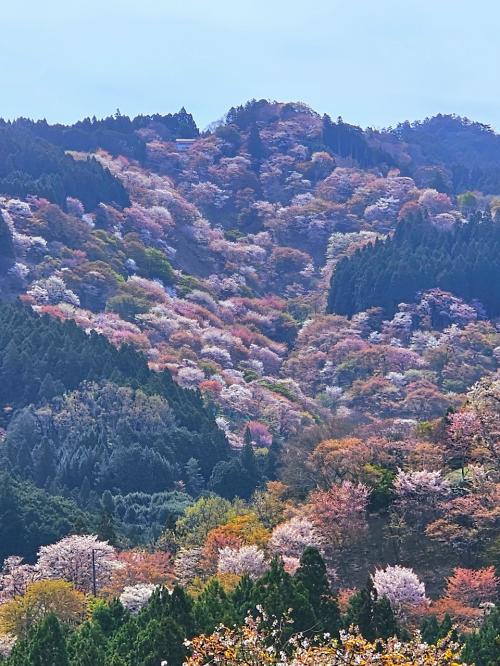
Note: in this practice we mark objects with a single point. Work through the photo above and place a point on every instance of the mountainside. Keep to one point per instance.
(279, 337)
(218, 268)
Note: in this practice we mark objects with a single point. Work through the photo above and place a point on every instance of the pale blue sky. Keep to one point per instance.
(374, 62)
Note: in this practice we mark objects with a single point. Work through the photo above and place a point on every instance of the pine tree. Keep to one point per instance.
(181, 608)
(7, 255)
(47, 646)
(86, 646)
(251, 472)
(373, 616)
(106, 528)
(43, 457)
(110, 617)
(160, 640)
(255, 145)
(482, 647)
(242, 598)
(211, 608)
(384, 622)
(313, 577)
(194, 478)
(273, 459)
(360, 613)
(277, 592)
(12, 526)
(430, 629)
(49, 388)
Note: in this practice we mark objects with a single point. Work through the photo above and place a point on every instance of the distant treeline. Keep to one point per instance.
(30, 165)
(33, 159)
(116, 134)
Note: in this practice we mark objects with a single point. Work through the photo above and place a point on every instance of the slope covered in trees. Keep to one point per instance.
(33, 166)
(173, 386)
(464, 259)
(467, 152)
(118, 134)
(123, 429)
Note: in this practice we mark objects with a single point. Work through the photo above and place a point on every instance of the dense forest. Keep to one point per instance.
(464, 259)
(30, 165)
(117, 134)
(250, 380)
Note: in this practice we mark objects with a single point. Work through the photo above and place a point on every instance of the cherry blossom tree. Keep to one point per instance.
(339, 515)
(401, 586)
(463, 430)
(245, 560)
(79, 559)
(419, 493)
(135, 597)
(290, 539)
(15, 576)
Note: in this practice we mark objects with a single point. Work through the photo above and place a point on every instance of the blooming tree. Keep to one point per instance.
(472, 587)
(245, 560)
(15, 576)
(79, 559)
(135, 597)
(291, 538)
(401, 586)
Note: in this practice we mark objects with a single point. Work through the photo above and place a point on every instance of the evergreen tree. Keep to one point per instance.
(47, 646)
(373, 616)
(251, 476)
(313, 577)
(273, 459)
(106, 528)
(360, 613)
(242, 599)
(43, 462)
(49, 389)
(277, 592)
(160, 640)
(181, 608)
(110, 617)
(86, 645)
(7, 255)
(384, 622)
(211, 608)
(194, 479)
(12, 526)
(430, 629)
(254, 143)
(482, 647)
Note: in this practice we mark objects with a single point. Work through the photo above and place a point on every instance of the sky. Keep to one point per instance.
(374, 62)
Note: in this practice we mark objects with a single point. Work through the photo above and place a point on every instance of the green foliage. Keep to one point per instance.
(468, 152)
(116, 134)
(30, 165)
(6, 246)
(212, 608)
(312, 575)
(482, 647)
(374, 617)
(45, 646)
(350, 141)
(464, 260)
(30, 517)
(432, 630)
(254, 143)
(277, 592)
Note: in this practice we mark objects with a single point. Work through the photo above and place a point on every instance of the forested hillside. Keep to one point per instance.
(253, 375)
(464, 260)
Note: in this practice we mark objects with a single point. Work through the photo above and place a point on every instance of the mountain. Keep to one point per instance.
(277, 337)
